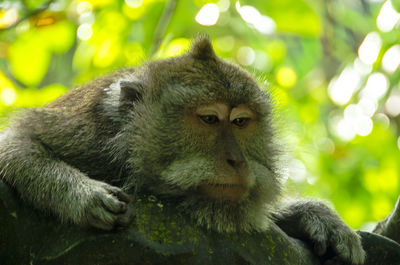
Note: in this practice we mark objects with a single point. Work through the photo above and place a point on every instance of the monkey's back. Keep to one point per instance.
(76, 128)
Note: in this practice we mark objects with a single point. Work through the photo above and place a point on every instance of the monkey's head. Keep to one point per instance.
(199, 132)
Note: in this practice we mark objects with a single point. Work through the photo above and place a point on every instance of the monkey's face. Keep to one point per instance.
(205, 136)
(210, 142)
(219, 127)
(222, 157)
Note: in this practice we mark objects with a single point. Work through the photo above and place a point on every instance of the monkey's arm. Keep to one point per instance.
(54, 186)
(314, 222)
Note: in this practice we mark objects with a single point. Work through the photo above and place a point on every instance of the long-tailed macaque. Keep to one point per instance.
(193, 129)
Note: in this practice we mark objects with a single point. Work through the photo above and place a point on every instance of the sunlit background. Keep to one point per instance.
(333, 67)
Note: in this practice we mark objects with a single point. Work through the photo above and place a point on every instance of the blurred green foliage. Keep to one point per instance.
(333, 67)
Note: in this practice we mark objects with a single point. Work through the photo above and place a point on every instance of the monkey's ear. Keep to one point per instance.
(130, 91)
(202, 48)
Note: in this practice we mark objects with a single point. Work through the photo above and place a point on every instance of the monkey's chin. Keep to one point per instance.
(232, 193)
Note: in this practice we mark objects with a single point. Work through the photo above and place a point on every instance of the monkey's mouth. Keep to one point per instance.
(225, 185)
(233, 192)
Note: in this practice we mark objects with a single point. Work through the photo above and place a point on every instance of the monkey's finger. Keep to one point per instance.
(101, 225)
(117, 192)
(122, 196)
(349, 248)
(112, 204)
(101, 219)
(334, 261)
(126, 218)
(342, 250)
(320, 248)
(320, 243)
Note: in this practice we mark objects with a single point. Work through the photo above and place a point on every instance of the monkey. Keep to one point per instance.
(195, 130)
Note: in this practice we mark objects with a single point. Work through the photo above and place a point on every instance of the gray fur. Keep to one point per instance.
(313, 221)
(77, 156)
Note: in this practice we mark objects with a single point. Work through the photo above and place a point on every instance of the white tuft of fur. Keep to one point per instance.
(114, 90)
(111, 102)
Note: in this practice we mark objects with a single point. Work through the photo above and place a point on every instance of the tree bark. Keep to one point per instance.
(390, 226)
(158, 235)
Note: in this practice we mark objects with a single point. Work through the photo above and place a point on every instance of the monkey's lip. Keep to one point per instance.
(226, 185)
(233, 192)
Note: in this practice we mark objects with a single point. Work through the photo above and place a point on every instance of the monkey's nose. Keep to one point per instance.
(237, 164)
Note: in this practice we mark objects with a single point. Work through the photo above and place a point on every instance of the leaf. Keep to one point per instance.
(396, 5)
(291, 16)
(58, 37)
(34, 4)
(29, 58)
(32, 97)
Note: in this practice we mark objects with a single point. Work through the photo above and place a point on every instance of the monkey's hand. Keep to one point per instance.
(317, 224)
(105, 206)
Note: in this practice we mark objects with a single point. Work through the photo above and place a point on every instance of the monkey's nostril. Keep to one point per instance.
(231, 162)
(236, 164)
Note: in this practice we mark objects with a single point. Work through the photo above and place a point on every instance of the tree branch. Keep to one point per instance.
(390, 226)
(28, 15)
(158, 235)
(162, 25)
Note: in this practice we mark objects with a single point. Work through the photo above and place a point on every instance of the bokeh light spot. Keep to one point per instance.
(376, 87)
(8, 17)
(84, 32)
(342, 88)
(369, 48)
(8, 96)
(286, 77)
(392, 105)
(251, 15)
(387, 17)
(208, 15)
(391, 59)
(245, 56)
(134, 3)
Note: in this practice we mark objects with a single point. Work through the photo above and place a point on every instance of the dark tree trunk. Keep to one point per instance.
(390, 226)
(157, 236)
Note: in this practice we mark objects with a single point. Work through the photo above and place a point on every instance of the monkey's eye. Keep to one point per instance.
(209, 119)
(241, 122)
